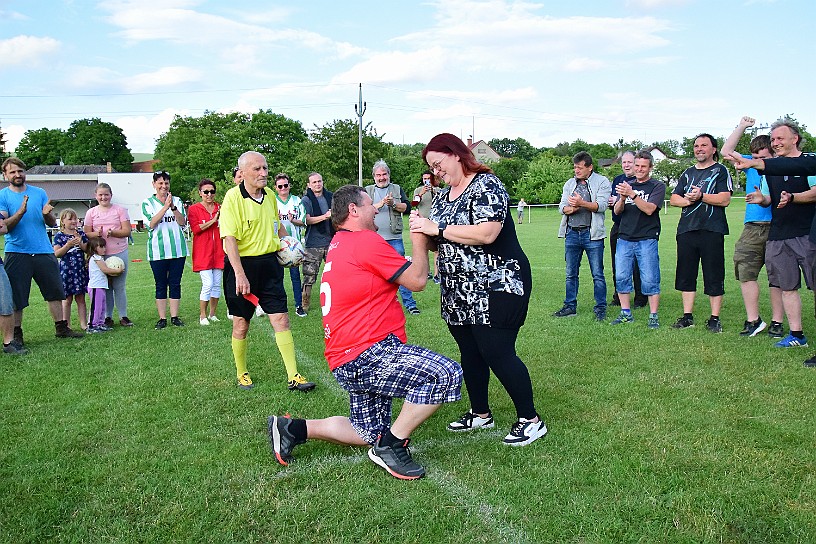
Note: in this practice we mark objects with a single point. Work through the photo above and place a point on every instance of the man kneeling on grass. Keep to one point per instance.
(364, 329)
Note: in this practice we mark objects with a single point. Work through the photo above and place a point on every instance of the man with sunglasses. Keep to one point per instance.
(293, 216)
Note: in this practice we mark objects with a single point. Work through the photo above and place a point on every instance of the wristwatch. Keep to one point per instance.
(442, 226)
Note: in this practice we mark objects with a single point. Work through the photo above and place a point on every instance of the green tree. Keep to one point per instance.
(518, 148)
(510, 171)
(209, 145)
(668, 171)
(544, 180)
(94, 141)
(406, 164)
(332, 151)
(44, 146)
(3, 154)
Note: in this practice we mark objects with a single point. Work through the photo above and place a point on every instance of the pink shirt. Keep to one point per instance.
(108, 218)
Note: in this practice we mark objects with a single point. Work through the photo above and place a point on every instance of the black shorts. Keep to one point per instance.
(265, 275)
(701, 247)
(43, 268)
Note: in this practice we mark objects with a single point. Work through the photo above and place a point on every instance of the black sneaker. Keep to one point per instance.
(565, 312)
(615, 300)
(683, 323)
(299, 383)
(18, 336)
(525, 432)
(396, 460)
(300, 312)
(752, 328)
(776, 330)
(13, 348)
(176, 322)
(714, 324)
(600, 315)
(811, 363)
(281, 439)
(125, 322)
(160, 324)
(64, 331)
(470, 421)
(109, 322)
(413, 311)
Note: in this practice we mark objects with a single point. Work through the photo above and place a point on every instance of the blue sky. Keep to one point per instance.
(547, 71)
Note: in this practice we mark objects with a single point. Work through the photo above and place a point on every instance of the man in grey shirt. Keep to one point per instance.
(583, 202)
(391, 202)
(319, 232)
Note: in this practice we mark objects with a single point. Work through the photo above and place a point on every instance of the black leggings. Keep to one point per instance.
(484, 349)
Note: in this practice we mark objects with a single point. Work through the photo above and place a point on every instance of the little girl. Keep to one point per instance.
(69, 244)
(98, 273)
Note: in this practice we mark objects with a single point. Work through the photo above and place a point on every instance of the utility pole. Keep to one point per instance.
(360, 109)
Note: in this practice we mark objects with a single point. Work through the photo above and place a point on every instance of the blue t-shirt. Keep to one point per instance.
(755, 212)
(30, 235)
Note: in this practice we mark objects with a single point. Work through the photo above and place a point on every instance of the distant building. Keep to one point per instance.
(483, 152)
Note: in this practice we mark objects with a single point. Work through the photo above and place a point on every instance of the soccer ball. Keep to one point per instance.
(291, 252)
(115, 262)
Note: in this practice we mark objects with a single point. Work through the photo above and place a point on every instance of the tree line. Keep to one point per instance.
(207, 146)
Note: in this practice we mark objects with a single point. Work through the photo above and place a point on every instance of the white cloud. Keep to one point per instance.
(656, 4)
(163, 78)
(91, 77)
(14, 133)
(396, 66)
(141, 131)
(26, 49)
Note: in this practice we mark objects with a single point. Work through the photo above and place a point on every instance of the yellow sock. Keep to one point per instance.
(286, 346)
(239, 348)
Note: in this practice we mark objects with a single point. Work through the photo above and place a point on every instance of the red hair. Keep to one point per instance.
(451, 145)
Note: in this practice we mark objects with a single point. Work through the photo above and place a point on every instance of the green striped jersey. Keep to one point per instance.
(166, 241)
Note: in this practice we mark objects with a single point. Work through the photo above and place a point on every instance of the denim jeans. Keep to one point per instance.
(294, 275)
(644, 252)
(575, 244)
(406, 294)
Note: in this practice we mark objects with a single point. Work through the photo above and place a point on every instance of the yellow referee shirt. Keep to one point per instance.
(253, 224)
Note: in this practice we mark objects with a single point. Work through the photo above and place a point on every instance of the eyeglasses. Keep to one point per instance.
(161, 174)
(284, 186)
(208, 192)
(435, 166)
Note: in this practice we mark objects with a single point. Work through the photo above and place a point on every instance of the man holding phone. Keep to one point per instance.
(422, 200)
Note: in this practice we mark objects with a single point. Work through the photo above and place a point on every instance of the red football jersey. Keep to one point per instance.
(358, 294)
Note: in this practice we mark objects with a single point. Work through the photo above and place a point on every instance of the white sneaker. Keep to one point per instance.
(203, 321)
(259, 311)
(525, 431)
(213, 319)
(470, 421)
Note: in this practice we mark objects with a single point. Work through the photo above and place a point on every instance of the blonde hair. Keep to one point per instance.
(66, 213)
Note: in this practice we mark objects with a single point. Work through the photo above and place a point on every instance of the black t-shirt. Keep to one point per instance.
(619, 178)
(793, 220)
(635, 225)
(700, 216)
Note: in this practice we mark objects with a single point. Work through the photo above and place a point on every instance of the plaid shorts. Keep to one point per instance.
(390, 369)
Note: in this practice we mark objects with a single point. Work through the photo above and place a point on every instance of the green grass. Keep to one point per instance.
(655, 436)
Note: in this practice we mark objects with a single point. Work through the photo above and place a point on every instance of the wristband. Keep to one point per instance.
(173, 208)
(791, 197)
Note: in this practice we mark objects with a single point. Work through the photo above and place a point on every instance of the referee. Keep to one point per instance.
(252, 275)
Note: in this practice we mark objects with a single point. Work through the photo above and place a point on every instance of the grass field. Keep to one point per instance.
(655, 436)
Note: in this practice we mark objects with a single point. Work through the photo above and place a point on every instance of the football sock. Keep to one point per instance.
(388, 439)
(626, 312)
(798, 334)
(688, 316)
(239, 349)
(298, 430)
(286, 346)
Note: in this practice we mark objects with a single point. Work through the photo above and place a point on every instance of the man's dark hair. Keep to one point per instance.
(15, 161)
(426, 172)
(161, 174)
(763, 141)
(714, 144)
(582, 157)
(345, 195)
(643, 154)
